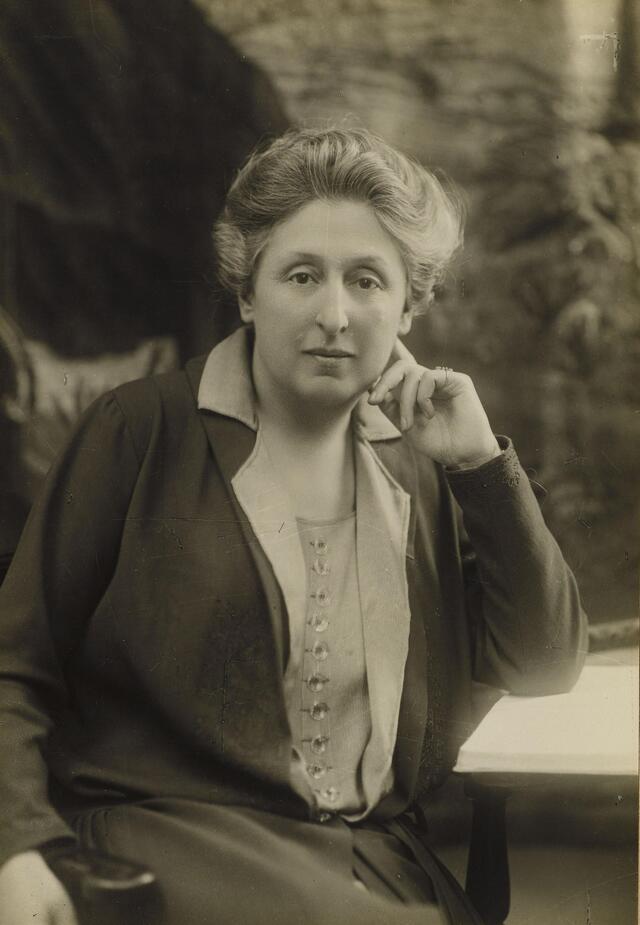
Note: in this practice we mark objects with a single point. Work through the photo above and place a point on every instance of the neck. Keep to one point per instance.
(306, 430)
(312, 451)
(294, 420)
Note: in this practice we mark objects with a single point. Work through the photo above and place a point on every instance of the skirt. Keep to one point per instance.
(222, 865)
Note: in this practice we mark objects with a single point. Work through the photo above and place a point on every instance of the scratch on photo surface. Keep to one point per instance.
(612, 464)
(576, 893)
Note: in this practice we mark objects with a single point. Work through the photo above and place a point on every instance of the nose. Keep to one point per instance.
(332, 316)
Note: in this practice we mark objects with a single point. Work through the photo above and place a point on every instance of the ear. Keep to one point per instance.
(245, 304)
(406, 319)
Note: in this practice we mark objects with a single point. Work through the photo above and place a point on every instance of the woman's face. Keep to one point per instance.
(328, 302)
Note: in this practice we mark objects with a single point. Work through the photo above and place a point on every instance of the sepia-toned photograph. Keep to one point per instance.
(319, 462)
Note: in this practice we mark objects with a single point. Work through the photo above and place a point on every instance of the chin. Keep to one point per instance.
(329, 391)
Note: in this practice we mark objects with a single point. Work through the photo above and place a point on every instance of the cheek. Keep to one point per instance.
(381, 327)
(274, 323)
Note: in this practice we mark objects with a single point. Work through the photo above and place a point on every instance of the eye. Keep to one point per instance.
(368, 283)
(300, 278)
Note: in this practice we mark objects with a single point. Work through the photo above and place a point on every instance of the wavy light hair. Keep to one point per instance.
(303, 165)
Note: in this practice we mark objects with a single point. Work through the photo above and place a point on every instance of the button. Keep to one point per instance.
(320, 651)
(322, 597)
(320, 546)
(316, 770)
(324, 817)
(316, 682)
(319, 711)
(331, 794)
(319, 622)
(319, 744)
(321, 567)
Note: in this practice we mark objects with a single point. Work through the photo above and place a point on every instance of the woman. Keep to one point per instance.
(240, 630)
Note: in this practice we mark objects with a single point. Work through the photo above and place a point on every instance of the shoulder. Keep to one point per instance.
(163, 402)
(172, 389)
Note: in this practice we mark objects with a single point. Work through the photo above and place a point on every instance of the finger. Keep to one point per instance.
(389, 380)
(426, 389)
(408, 396)
(448, 380)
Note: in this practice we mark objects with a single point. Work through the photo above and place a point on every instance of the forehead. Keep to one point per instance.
(338, 230)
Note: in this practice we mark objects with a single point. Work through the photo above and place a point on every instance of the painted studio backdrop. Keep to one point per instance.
(122, 122)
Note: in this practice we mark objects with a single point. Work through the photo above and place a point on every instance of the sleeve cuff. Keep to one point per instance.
(494, 478)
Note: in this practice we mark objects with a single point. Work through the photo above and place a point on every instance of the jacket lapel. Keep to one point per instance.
(399, 462)
(232, 445)
(383, 516)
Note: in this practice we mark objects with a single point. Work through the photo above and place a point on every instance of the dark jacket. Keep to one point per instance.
(143, 634)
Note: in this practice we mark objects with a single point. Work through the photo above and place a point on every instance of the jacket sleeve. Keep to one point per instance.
(63, 563)
(529, 631)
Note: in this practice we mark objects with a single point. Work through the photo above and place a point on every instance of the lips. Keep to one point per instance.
(330, 352)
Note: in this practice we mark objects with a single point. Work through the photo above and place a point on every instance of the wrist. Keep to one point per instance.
(480, 459)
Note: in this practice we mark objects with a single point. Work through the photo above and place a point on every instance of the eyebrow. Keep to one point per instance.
(356, 260)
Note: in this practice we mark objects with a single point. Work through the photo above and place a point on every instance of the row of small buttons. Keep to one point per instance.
(319, 651)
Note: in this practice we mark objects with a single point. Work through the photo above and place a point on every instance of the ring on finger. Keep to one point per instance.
(446, 370)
